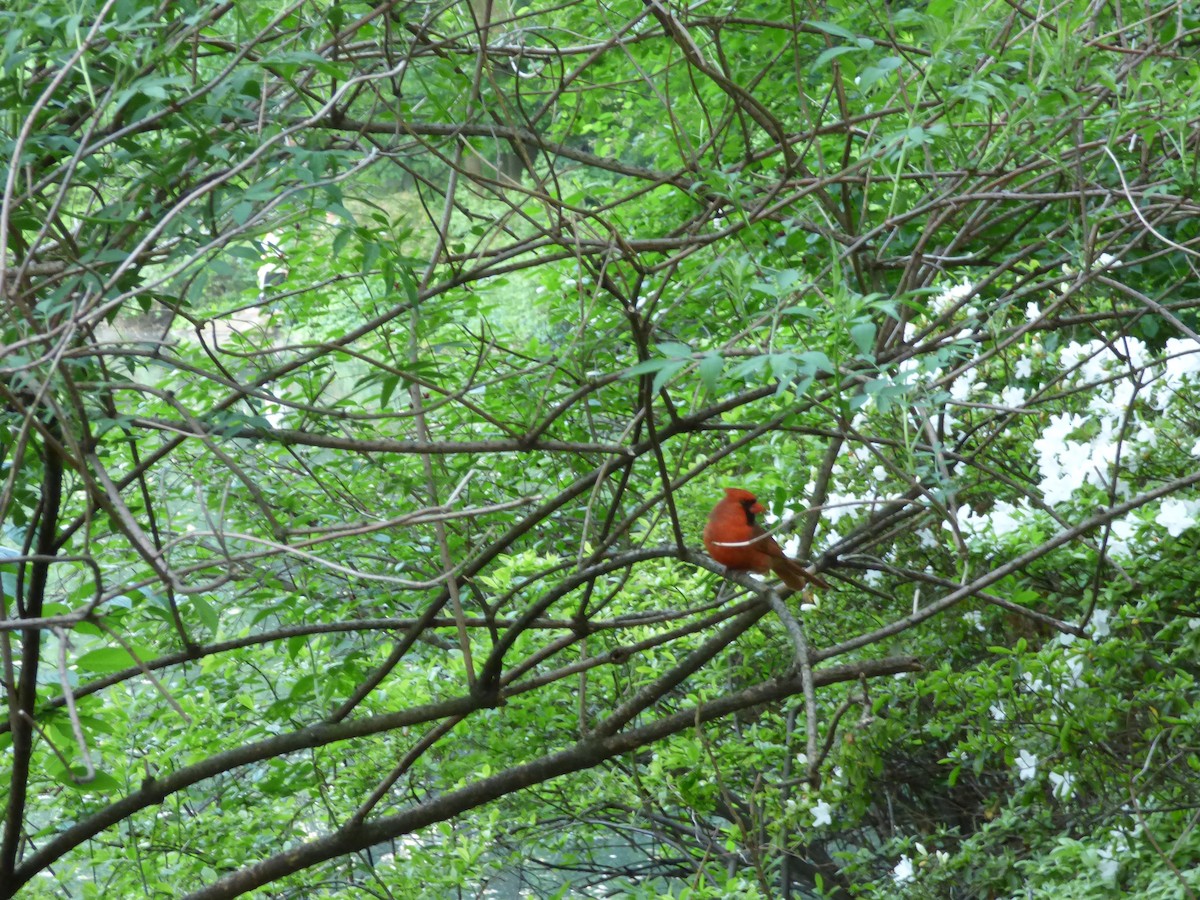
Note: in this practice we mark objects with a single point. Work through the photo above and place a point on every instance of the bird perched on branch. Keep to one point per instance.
(735, 540)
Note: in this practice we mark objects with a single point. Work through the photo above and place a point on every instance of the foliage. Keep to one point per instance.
(368, 372)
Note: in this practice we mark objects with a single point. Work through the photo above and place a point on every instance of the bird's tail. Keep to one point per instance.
(795, 575)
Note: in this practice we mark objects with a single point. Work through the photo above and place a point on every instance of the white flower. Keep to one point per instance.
(1102, 454)
(1073, 354)
(1137, 352)
(1099, 624)
(1176, 515)
(1026, 765)
(1032, 311)
(822, 814)
(1062, 785)
(998, 713)
(1105, 260)
(1053, 445)
(1004, 517)
(1012, 397)
(1075, 671)
(1059, 458)
(949, 423)
(1182, 360)
(1023, 368)
(1108, 866)
(964, 385)
(1121, 537)
(968, 520)
(952, 296)
(1058, 488)
(903, 871)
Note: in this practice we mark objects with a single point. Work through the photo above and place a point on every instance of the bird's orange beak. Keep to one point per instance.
(757, 508)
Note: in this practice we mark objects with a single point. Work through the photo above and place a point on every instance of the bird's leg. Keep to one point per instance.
(725, 583)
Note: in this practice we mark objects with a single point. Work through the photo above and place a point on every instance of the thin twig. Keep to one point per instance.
(64, 679)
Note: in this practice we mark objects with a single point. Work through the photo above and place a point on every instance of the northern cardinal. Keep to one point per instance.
(732, 523)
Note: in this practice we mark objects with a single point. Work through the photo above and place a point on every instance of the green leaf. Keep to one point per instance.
(207, 613)
(303, 688)
(340, 240)
(863, 335)
(405, 276)
(833, 53)
(813, 361)
(710, 371)
(666, 372)
(882, 69)
(295, 644)
(241, 212)
(831, 28)
(106, 659)
(645, 366)
(371, 252)
(749, 367)
(916, 136)
(674, 349)
(806, 312)
(101, 782)
(783, 365)
(296, 60)
(241, 251)
(387, 386)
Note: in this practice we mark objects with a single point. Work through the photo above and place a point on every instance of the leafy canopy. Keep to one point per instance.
(368, 372)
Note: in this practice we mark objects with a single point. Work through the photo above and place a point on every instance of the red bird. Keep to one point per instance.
(732, 523)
